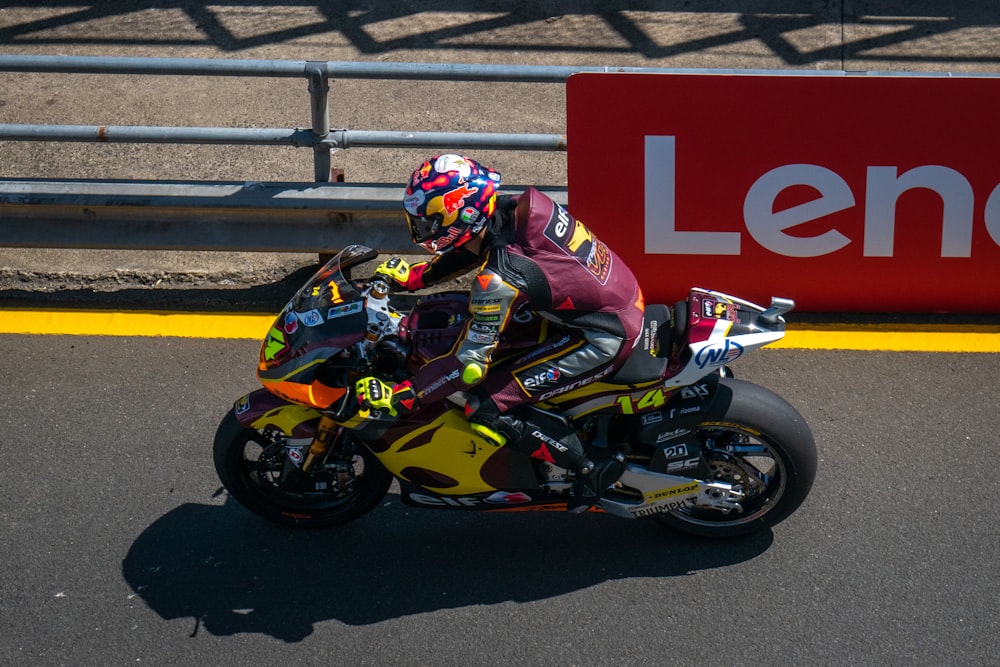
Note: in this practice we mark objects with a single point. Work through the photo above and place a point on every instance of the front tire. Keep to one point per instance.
(250, 465)
(761, 444)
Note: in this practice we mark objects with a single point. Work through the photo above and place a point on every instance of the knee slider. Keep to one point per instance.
(488, 433)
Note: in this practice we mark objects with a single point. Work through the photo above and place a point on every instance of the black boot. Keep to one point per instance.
(593, 479)
(541, 437)
(549, 439)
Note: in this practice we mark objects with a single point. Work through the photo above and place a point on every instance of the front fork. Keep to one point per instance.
(262, 411)
(326, 429)
(307, 476)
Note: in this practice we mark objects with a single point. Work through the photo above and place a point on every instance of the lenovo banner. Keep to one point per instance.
(845, 193)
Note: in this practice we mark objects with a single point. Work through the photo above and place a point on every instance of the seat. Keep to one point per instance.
(644, 364)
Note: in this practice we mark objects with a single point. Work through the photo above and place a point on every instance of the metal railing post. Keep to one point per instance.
(319, 89)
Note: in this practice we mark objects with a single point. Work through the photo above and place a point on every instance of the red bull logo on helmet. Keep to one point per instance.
(454, 200)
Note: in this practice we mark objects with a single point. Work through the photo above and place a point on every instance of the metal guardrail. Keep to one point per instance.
(236, 216)
(126, 134)
(254, 216)
(319, 137)
(319, 216)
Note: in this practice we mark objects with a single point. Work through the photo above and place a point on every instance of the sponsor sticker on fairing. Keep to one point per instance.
(346, 309)
(718, 354)
(311, 318)
(508, 498)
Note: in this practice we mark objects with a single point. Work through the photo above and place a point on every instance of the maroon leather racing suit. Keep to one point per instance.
(540, 263)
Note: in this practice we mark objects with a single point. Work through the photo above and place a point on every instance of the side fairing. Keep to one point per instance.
(443, 455)
(262, 410)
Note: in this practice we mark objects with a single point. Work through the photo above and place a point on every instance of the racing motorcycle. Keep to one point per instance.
(705, 453)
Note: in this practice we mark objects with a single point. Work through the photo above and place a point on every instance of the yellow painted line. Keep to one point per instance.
(254, 326)
(892, 337)
(116, 323)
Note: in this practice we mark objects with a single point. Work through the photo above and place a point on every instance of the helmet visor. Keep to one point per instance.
(424, 227)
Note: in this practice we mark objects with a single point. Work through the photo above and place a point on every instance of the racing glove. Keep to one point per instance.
(409, 277)
(374, 394)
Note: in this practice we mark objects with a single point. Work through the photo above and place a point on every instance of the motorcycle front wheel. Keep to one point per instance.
(763, 447)
(257, 471)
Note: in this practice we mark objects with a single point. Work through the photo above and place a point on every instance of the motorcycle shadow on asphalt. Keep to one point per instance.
(231, 572)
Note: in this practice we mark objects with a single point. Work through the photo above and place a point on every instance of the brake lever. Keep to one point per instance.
(342, 410)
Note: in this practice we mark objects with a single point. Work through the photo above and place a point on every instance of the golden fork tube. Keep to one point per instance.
(325, 431)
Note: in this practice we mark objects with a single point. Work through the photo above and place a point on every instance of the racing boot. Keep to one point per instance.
(593, 479)
(551, 440)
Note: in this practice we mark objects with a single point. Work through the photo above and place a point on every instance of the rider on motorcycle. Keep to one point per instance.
(533, 258)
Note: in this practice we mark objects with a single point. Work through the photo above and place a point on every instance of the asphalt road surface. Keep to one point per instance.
(119, 547)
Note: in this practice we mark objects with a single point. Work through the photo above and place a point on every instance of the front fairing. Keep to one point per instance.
(326, 316)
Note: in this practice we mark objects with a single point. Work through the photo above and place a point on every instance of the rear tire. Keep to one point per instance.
(238, 452)
(761, 443)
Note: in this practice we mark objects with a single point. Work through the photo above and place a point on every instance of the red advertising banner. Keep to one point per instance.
(846, 193)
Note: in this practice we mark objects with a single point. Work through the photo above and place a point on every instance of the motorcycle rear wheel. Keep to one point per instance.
(237, 454)
(761, 444)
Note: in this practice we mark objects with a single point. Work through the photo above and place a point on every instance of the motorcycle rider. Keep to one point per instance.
(533, 258)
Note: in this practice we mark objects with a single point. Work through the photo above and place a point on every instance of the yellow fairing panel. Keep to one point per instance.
(286, 418)
(444, 456)
(595, 396)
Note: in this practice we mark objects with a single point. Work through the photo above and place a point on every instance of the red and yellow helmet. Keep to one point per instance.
(448, 201)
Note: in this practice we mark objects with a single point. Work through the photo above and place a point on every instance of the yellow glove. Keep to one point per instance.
(373, 393)
(396, 270)
(410, 277)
